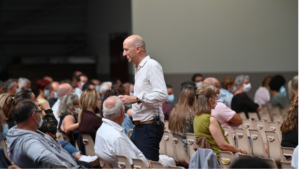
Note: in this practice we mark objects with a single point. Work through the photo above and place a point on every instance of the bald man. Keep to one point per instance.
(226, 116)
(63, 89)
(53, 87)
(149, 93)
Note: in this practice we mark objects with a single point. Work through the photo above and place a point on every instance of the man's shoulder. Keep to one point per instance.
(153, 62)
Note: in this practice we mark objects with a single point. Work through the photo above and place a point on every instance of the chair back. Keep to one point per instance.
(287, 151)
(59, 136)
(157, 165)
(278, 119)
(226, 159)
(181, 155)
(61, 166)
(242, 141)
(242, 115)
(286, 165)
(244, 156)
(284, 110)
(89, 144)
(166, 126)
(228, 134)
(274, 148)
(191, 140)
(123, 161)
(4, 146)
(265, 117)
(176, 167)
(247, 124)
(275, 110)
(257, 144)
(170, 146)
(162, 146)
(104, 164)
(138, 163)
(253, 115)
(271, 162)
(275, 127)
(261, 127)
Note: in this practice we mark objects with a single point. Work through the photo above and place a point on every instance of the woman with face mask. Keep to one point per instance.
(241, 102)
(206, 125)
(43, 88)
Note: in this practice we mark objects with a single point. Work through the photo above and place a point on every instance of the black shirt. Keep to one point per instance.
(290, 139)
(242, 103)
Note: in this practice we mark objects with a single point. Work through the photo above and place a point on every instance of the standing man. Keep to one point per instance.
(149, 93)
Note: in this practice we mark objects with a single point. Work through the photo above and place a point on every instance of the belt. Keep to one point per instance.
(145, 122)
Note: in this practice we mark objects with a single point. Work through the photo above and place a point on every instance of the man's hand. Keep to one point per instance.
(128, 99)
(44, 105)
(14, 167)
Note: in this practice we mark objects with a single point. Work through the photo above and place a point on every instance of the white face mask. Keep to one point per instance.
(214, 105)
(247, 87)
(76, 110)
(198, 83)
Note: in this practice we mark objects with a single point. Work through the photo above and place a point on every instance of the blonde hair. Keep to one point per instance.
(66, 105)
(291, 120)
(88, 98)
(3, 97)
(203, 94)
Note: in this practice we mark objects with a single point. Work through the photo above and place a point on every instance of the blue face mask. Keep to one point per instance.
(41, 122)
(170, 99)
(46, 93)
(18, 90)
(282, 91)
(97, 87)
(4, 132)
(55, 95)
(29, 89)
(131, 94)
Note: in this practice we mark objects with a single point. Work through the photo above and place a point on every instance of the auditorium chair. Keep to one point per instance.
(191, 140)
(181, 154)
(274, 146)
(226, 159)
(228, 134)
(123, 161)
(257, 144)
(242, 141)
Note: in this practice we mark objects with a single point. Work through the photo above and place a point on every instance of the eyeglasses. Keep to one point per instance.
(37, 111)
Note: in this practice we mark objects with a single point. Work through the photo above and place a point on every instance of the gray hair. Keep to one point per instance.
(115, 110)
(61, 91)
(66, 104)
(8, 84)
(295, 82)
(23, 82)
(239, 80)
(104, 87)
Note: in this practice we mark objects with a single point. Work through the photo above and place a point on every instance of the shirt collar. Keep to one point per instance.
(113, 124)
(144, 61)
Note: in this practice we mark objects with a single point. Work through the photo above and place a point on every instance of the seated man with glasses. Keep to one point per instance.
(30, 148)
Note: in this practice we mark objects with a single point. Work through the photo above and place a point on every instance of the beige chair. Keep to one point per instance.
(104, 164)
(274, 148)
(138, 163)
(166, 126)
(123, 161)
(176, 167)
(271, 162)
(287, 151)
(261, 127)
(242, 141)
(242, 115)
(59, 136)
(156, 165)
(286, 165)
(226, 159)
(89, 144)
(191, 140)
(275, 110)
(275, 127)
(61, 166)
(265, 117)
(228, 134)
(253, 115)
(284, 110)
(278, 119)
(247, 124)
(170, 146)
(181, 155)
(4, 146)
(244, 156)
(257, 144)
(162, 146)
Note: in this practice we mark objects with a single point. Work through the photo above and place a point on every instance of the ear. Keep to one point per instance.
(138, 49)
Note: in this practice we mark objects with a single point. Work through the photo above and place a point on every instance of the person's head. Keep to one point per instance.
(3, 97)
(197, 79)
(115, 90)
(24, 84)
(250, 163)
(67, 81)
(295, 82)
(96, 83)
(134, 48)
(53, 88)
(212, 81)
(113, 109)
(1, 87)
(206, 99)
(9, 87)
(64, 89)
(228, 84)
(291, 119)
(187, 84)
(88, 85)
(48, 78)
(129, 88)
(69, 105)
(81, 79)
(27, 114)
(75, 74)
(104, 86)
(277, 82)
(89, 99)
(266, 81)
(15, 83)
(242, 83)
(43, 87)
(170, 94)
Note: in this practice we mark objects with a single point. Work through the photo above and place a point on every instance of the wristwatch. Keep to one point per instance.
(138, 100)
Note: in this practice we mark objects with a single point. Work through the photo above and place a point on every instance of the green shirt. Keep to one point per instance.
(201, 128)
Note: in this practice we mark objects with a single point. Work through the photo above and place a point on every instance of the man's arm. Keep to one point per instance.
(230, 116)
(236, 120)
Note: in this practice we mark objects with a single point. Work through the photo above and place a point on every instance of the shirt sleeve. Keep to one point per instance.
(226, 113)
(159, 90)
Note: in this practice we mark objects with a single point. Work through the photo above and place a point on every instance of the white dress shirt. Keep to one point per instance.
(55, 108)
(150, 88)
(111, 140)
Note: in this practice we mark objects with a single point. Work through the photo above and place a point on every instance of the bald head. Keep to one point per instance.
(55, 86)
(212, 81)
(64, 89)
(113, 107)
(136, 41)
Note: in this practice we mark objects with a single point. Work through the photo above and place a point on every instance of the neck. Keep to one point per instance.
(238, 91)
(41, 96)
(140, 60)
(90, 109)
(27, 126)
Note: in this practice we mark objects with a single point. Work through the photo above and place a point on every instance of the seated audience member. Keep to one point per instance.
(130, 88)
(74, 80)
(27, 146)
(250, 163)
(96, 83)
(24, 84)
(63, 89)
(48, 78)
(289, 127)
(262, 94)
(226, 116)
(3, 97)
(206, 125)
(53, 88)
(43, 88)
(182, 117)
(167, 105)
(241, 102)
(117, 90)
(293, 88)
(197, 79)
(90, 104)
(186, 84)
(103, 87)
(1, 87)
(227, 90)
(81, 80)
(9, 87)
(88, 85)
(277, 98)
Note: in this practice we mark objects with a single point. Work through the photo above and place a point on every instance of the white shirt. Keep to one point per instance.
(111, 140)
(150, 88)
(55, 108)
(262, 96)
(78, 92)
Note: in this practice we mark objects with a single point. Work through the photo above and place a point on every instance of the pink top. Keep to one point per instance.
(224, 114)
